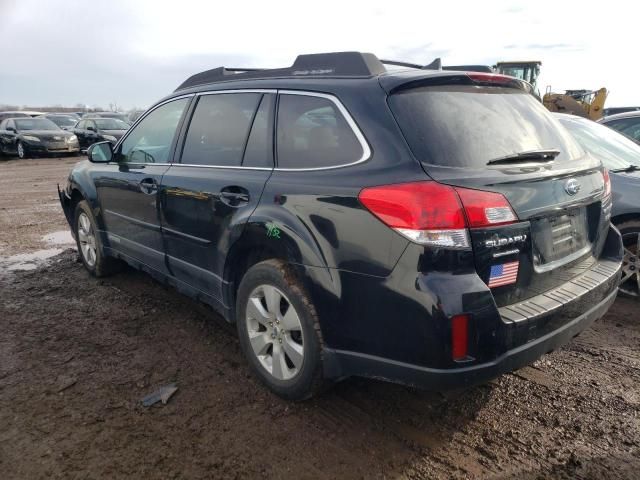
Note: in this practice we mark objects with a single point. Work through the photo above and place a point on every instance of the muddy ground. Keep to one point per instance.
(77, 354)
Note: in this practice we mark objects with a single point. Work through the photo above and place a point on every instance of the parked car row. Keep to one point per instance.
(25, 136)
(434, 228)
(32, 133)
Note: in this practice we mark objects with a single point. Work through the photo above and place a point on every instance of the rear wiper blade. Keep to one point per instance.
(630, 168)
(531, 155)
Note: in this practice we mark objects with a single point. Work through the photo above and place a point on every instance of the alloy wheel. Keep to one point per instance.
(21, 153)
(87, 239)
(275, 332)
(630, 282)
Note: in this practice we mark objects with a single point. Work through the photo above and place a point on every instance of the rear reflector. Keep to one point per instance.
(459, 337)
(430, 213)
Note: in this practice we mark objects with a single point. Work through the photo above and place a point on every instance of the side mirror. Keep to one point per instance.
(91, 128)
(11, 129)
(101, 152)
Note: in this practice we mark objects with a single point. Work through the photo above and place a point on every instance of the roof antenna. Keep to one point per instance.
(435, 65)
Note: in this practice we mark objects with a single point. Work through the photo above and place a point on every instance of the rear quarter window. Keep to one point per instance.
(313, 133)
(466, 126)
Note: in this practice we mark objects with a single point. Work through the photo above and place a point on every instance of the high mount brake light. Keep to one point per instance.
(489, 77)
(430, 213)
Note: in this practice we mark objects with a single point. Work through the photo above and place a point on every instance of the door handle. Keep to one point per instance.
(234, 196)
(148, 186)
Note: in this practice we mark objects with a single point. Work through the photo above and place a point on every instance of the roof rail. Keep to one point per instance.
(400, 64)
(338, 64)
(435, 65)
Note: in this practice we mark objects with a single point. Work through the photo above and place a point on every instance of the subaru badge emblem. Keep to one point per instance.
(572, 186)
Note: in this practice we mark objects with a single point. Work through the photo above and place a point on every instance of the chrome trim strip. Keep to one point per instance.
(366, 151)
(221, 166)
(237, 90)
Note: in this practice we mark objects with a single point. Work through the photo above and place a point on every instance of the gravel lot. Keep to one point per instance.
(77, 354)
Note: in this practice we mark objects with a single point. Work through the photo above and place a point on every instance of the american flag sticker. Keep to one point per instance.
(503, 274)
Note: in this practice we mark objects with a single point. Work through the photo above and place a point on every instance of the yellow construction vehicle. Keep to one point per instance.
(585, 103)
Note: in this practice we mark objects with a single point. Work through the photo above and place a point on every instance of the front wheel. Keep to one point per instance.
(22, 151)
(279, 331)
(630, 282)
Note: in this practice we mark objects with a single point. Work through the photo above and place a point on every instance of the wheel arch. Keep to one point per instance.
(255, 245)
(626, 217)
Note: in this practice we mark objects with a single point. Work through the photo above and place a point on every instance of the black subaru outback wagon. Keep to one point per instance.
(429, 227)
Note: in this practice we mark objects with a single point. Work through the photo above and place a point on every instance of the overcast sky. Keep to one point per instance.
(133, 52)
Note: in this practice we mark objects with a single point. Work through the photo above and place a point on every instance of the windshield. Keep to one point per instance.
(464, 126)
(35, 124)
(111, 124)
(613, 149)
(63, 120)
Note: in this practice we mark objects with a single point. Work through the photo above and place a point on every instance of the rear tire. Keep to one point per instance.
(630, 283)
(89, 243)
(279, 331)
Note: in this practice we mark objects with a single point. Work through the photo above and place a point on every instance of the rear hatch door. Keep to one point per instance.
(481, 132)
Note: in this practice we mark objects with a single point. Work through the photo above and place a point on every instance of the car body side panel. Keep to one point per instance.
(625, 188)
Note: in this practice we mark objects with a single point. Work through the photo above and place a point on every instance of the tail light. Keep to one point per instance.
(459, 337)
(437, 215)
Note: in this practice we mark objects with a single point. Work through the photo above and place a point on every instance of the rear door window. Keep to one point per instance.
(219, 129)
(466, 126)
(313, 133)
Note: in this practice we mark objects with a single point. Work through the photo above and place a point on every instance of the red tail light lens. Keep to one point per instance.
(486, 208)
(433, 214)
(428, 213)
(459, 337)
(419, 206)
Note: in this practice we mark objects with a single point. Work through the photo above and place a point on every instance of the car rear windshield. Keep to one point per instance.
(467, 126)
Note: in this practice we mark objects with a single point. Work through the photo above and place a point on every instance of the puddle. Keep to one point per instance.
(63, 237)
(27, 261)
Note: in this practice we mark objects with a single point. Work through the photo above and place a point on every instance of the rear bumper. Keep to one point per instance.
(447, 379)
(501, 340)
